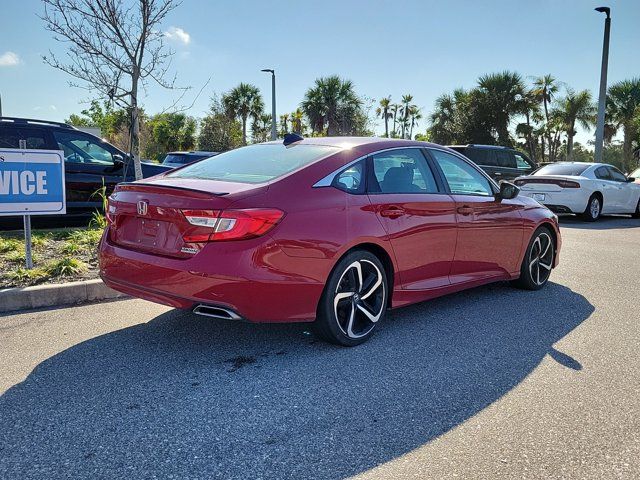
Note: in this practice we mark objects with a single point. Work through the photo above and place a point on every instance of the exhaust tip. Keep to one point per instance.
(216, 312)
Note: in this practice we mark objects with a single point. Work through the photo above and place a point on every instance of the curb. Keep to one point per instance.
(54, 295)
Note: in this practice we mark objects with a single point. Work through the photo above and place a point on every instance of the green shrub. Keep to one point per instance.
(71, 248)
(85, 237)
(66, 267)
(10, 245)
(22, 275)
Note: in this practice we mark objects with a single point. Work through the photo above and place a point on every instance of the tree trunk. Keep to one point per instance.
(244, 130)
(570, 135)
(135, 128)
(386, 123)
(627, 150)
(546, 125)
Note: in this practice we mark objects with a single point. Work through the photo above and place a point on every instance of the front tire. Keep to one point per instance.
(538, 261)
(354, 300)
(593, 210)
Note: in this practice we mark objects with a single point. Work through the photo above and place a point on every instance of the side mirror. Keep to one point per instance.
(631, 179)
(507, 191)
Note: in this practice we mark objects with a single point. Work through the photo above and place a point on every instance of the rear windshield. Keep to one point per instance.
(182, 159)
(562, 169)
(255, 163)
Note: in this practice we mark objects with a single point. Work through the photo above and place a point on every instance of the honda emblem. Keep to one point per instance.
(143, 207)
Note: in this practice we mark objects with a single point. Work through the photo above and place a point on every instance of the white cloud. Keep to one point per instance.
(53, 107)
(9, 59)
(178, 34)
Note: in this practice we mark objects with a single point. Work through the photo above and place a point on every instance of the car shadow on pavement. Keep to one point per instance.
(603, 223)
(191, 397)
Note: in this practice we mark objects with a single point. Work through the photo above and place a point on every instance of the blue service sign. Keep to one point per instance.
(32, 182)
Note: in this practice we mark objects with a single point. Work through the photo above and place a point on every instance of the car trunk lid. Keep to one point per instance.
(149, 216)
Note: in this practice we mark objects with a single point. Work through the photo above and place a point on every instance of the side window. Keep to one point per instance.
(351, 179)
(462, 178)
(616, 175)
(522, 163)
(9, 137)
(481, 156)
(34, 137)
(505, 159)
(401, 171)
(602, 173)
(79, 147)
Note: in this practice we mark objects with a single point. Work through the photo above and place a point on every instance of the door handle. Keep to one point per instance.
(465, 210)
(392, 212)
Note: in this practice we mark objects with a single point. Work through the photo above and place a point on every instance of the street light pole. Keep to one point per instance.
(602, 99)
(274, 134)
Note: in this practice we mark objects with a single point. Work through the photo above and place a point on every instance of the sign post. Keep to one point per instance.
(31, 183)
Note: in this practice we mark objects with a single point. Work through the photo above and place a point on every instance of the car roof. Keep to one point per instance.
(475, 145)
(32, 122)
(196, 152)
(350, 142)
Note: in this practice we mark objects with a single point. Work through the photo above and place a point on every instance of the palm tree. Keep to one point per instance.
(405, 110)
(415, 115)
(261, 128)
(501, 94)
(296, 121)
(394, 108)
(545, 88)
(328, 101)
(530, 108)
(383, 112)
(576, 108)
(623, 110)
(242, 102)
(284, 124)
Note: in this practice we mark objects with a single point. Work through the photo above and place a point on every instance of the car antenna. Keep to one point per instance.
(290, 138)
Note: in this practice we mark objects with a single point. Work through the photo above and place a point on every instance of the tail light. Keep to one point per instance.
(560, 183)
(111, 211)
(216, 225)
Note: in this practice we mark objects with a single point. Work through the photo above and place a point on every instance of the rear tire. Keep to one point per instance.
(354, 300)
(593, 210)
(538, 261)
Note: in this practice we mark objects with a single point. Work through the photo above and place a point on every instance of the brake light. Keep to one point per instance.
(546, 181)
(224, 225)
(110, 214)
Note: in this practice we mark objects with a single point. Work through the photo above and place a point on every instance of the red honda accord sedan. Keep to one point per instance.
(326, 230)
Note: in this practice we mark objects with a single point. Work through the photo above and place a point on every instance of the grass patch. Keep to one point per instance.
(66, 267)
(71, 248)
(8, 245)
(85, 237)
(22, 275)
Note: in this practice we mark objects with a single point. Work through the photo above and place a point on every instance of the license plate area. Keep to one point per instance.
(540, 197)
(148, 234)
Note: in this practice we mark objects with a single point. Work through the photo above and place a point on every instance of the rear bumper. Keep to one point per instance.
(566, 201)
(257, 281)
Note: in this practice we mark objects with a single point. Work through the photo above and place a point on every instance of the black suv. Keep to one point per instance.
(501, 163)
(89, 161)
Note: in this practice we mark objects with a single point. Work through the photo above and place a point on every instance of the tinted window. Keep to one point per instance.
(9, 137)
(79, 147)
(505, 159)
(574, 169)
(256, 163)
(351, 179)
(463, 179)
(34, 137)
(401, 171)
(602, 173)
(616, 175)
(480, 156)
(522, 162)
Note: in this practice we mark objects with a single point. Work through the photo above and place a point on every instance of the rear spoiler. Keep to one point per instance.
(141, 187)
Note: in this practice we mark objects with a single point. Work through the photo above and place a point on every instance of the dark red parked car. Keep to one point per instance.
(331, 230)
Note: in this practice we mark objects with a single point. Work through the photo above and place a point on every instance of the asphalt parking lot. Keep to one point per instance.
(489, 383)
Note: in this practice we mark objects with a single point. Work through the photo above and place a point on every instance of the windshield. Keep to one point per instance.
(572, 169)
(256, 163)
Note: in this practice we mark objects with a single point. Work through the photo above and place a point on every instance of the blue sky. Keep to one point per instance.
(386, 48)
